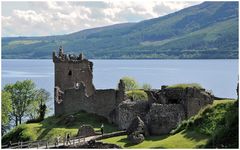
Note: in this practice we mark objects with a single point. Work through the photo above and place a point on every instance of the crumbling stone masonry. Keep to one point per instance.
(162, 112)
(74, 90)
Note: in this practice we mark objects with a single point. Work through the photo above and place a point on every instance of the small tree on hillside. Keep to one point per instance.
(6, 111)
(22, 94)
(42, 97)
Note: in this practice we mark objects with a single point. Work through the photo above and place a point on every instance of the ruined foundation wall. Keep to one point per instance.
(196, 100)
(102, 102)
(128, 110)
(162, 118)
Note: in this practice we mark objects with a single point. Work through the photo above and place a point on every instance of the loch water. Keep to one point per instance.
(218, 75)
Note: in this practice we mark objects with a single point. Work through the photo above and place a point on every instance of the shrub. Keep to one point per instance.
(184, 86)
(219, 121)
(146, 86)
(137, 95)
(130, 83)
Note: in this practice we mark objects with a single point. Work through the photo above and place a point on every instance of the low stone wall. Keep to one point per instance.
(102, 102)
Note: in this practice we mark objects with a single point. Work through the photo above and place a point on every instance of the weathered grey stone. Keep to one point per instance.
(74, 91)
(162, 118)
(128, 110)
(136, 138)
(152, 97)
(195, 100)
(138, 126)
(192, 99)
(85, 131)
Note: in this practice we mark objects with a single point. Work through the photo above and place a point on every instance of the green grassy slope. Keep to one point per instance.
(214, 126)
(179, 140)
(208, 30)
(55, 126)
(212, 123)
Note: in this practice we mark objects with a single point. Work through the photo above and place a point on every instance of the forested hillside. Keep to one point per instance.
(205, 31)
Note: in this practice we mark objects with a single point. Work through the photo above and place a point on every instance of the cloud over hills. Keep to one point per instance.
(51, 18)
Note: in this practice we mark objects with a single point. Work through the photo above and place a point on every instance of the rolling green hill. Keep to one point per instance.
(205, 31)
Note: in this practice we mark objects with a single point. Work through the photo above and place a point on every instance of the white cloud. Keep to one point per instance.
(29, 16)
(59, 17)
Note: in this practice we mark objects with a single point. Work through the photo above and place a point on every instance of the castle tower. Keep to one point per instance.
(71, 71)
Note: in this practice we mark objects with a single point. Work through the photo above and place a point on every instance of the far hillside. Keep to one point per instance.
(205, 31)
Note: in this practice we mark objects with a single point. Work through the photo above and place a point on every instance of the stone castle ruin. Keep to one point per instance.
(165, 109)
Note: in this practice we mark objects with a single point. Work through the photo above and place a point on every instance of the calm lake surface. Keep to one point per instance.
(220, 76)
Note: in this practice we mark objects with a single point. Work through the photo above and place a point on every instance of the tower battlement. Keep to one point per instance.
(71, 70)
(61, 57)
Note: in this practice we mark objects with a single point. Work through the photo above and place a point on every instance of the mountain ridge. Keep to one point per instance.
(205, 31)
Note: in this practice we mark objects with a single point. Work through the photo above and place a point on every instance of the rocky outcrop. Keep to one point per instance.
(85, 131)
(162, 118)
(129, 110)
(138, 126)
(136, 138)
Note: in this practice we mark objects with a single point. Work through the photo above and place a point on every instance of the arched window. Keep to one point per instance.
(70, 72)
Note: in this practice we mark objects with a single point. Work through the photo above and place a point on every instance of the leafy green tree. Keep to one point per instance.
(130, 83)
(146, 86)
(37, 109)
(6, 110)
(22, 94)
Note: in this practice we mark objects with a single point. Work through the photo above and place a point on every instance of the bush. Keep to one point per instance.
(226, 135)
(130, 83)
(16, 135)
(219, 121)
(146, 86)
(137, 95)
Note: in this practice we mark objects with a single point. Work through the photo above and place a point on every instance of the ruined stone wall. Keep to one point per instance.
(102, 102)
(192, 99)
(196, 99)
(67, 74)
(162, 118)
(71, 69)
(129, 110)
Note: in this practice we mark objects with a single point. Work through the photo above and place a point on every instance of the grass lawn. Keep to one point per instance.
(189, 139)
(52, 127)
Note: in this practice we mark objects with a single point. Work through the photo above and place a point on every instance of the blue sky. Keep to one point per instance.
(63, 17)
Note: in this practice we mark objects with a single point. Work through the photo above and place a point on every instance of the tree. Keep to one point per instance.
(22, 94)
(6, 110)
(146, 86)
(130, 83)
(38, 108)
